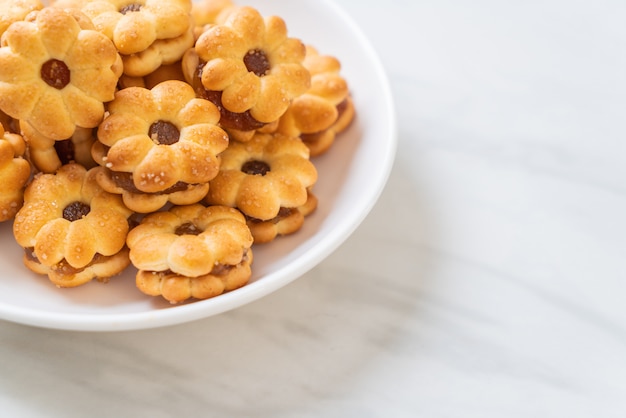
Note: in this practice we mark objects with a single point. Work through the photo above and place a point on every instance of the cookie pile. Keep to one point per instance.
(166, 135)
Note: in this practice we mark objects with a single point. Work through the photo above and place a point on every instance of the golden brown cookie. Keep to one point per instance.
(48, 155)
(140, 202)
(47, 70)
(320, 142)
(191, 251)
(14, 173)
(71, 229)
(249, 67)
(288, 221)
(264, 175)
(163, 73)
(16, 10)
(147, 33)
(159, 145)
(134, 26)
(245, 136)
(209, 12)
(161, 52)
(64, 275)
(325, 110)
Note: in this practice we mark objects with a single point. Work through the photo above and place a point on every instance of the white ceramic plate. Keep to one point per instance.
(351, 177)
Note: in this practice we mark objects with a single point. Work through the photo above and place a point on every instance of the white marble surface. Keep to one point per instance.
(489, 280)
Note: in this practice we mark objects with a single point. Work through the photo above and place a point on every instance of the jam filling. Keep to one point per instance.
(63, 267)
(230, 120)
(240, 121)
(133, 7)
(223, 269)
(282, 214)
(311, 138)
(75, 211)
(30, 254)
(219, 269)
(65, 150)
(341, 108)
(55, 73)
(125, 181)
(164, 133)
(255, 167)
(188, 228)
(257, 62)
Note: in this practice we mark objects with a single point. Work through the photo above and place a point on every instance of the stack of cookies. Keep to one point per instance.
(166, 135)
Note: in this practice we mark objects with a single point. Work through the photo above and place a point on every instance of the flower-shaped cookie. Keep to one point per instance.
(14, 173)
(147, 33)
(55, 74)
(191, 251)
(71, 229)
(324, 110)
(161, 52)
(249, 66)
(163, 140)
(263, 175)
(16, 10)
(135, 25)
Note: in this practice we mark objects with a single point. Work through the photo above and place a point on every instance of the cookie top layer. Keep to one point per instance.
(262, 175)
(189, 240)
(162, 136)
(48, 65)
(134, 26)
(253, 63)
